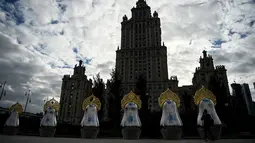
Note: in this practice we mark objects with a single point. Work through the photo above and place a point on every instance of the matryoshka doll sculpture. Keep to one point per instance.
(131, 123)
(11, 126)
(205, 99)
(170, 122)
(90, 123)
(49, 121)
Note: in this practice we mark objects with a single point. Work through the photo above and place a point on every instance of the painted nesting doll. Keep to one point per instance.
(206, 101)
(131, 124)
(171, 123)
(90, 123)
(49, 121)
(11, 126)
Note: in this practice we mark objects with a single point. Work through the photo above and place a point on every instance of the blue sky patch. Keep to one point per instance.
(10, 1)
(243, 35)
(12, 11)
(54, 21)
(217, 43)
(75, 50)
(87, 60)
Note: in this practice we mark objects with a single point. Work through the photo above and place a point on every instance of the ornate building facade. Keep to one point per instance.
(74, 90)
(207, 72)
(142, 52)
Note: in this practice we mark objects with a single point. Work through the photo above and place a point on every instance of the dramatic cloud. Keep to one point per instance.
(40, 41)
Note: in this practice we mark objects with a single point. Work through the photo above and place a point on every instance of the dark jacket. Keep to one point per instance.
(208, 121)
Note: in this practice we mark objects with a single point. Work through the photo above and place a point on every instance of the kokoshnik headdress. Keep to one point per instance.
(131, 97)
(18, 107)
(168, 95)
(91, 100)
(51, 103)
(203, 93)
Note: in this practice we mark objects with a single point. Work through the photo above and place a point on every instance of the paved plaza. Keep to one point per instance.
(30, 139)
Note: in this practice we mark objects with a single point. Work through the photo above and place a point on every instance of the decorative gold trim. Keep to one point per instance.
(203, 93)
(168, 95)
(91, 100)
(18, 107)
(51, 103)
(131, 97)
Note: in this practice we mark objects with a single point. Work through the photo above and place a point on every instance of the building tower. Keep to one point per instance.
(207, 72)
(141, 52)
(203, 73)
(74, 90)
(247, 98)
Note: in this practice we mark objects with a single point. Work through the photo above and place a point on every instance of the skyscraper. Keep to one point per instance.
(74, 90)
(247, 98)
(142, 52)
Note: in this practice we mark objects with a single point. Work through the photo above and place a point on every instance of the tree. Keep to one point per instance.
(145, 116)
(115, 90)
(98, 90)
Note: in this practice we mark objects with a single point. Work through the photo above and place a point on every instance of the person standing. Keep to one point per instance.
(208, 122)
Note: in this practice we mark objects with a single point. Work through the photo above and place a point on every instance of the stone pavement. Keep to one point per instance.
(32, 139)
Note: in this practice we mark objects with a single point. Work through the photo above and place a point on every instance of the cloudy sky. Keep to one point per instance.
(41, 40)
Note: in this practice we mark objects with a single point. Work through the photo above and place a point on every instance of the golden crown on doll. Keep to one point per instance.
(168, 95)
(203, 93)
(51, 103)
(131, 97)
(18, 107)
(91, 100)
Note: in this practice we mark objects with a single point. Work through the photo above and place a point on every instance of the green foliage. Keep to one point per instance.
(114, 86)
(98, 90)
(98, 86)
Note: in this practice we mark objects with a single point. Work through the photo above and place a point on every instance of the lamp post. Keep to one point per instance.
(28, 99)
(3, 92)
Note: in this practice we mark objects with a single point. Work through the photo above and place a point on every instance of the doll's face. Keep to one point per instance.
(131, 106)
(169, 104)
(91, 108)
(206, 104)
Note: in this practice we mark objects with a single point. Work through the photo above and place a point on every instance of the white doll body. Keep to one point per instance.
(13, 119)
(170, 115)
(209, 106)
(131, 117)
(90, 117)
(49, 118)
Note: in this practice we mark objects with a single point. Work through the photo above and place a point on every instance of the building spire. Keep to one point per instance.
(204, 53)
(80, 62)
(141, 3)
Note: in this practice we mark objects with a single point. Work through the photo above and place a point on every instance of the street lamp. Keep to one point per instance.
(28, 99)
(3, 92)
